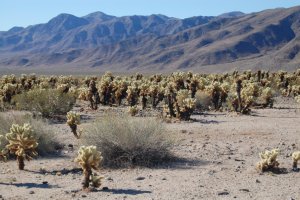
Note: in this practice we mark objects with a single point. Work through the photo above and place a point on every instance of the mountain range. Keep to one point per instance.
(269, 40)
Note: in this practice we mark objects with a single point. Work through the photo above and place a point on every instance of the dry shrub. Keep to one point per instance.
(46, 137)
(48, 103)
(126, 141)
(203, 100)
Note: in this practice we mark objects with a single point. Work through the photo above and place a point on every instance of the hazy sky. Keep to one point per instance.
(27, 12)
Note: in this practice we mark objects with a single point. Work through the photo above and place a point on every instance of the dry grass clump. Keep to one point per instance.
(126, 141)
(44, 134)
(47, 102)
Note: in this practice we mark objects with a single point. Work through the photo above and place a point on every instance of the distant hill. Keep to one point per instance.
(269, 39)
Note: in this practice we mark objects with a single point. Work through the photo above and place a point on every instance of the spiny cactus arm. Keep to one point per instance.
(89, 157)
(295, 157)
(96, 180)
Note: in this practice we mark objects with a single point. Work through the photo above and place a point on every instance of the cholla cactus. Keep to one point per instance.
(184, 105)
(22, 143)
(268, 160)
(89, 158)
(73, 120)
(63, 88)
(267, 95)
(132, 95)
(8, 91)
(296, 157)
(93, 95)
(83, 94)
(144, 90)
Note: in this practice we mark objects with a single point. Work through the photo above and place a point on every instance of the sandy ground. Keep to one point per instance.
(222, 149)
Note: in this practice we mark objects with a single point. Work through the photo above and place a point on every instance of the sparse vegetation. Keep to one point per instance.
(47, 102)
(126, 141)
(46, 136)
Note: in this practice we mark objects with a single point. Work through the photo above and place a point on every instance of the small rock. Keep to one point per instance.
(45, 182)
(244, 190)
(110, 179)
(223, 193)
(105, 188)
(70, 146)
(31, 192)
(67, 192)
(257, 181)
(164, 179)
(58, 173)
(140, 178)
(83, 196)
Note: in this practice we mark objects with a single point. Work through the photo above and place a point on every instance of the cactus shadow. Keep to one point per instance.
(126, 191)
(204, 121)
(63, 171)
(182, 163)
(31, 185)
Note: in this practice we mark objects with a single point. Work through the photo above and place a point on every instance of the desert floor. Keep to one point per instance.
(221, 151)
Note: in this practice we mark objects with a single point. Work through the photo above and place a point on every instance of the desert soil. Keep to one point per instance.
(221, 151)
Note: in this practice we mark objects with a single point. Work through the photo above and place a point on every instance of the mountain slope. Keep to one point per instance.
(269, 39)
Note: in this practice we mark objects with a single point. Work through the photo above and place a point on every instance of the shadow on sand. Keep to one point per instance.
(126, 191)
(31, 185)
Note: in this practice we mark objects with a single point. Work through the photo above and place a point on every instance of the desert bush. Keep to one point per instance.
(45, 135)
(126, 141)
(48, 102)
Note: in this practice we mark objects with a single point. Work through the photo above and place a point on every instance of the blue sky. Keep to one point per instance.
(27, 12)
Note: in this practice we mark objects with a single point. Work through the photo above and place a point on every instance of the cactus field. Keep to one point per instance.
(182, 136)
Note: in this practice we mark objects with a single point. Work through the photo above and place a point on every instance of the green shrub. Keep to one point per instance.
(45, 135)
(48, 102)
(126, 141)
